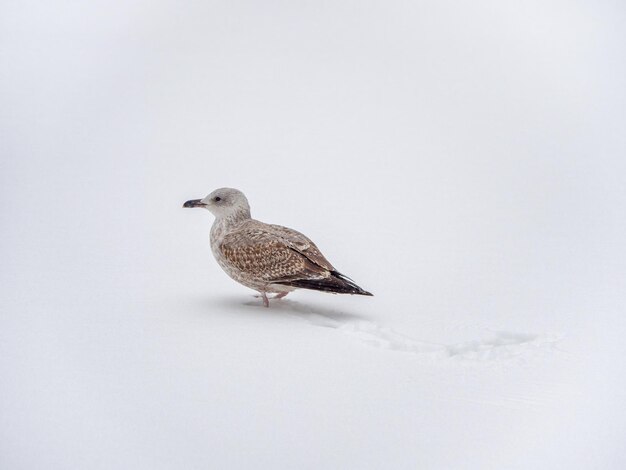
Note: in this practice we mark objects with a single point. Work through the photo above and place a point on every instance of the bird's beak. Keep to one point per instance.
(194, 203)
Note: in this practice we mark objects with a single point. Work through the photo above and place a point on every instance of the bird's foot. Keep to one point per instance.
(266, 299)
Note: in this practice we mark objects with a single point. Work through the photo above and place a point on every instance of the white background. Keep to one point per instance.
(464, 161)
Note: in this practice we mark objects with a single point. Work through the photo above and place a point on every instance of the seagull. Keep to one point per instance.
(269, 259)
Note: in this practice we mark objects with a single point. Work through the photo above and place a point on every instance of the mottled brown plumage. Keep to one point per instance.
(273, 253)
(267, 258)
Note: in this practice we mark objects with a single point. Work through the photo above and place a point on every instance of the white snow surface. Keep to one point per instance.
(464, 161)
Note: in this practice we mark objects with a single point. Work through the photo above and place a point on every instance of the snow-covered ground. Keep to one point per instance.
(464, 161)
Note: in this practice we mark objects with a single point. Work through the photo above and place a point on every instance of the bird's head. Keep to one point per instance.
(223, 203)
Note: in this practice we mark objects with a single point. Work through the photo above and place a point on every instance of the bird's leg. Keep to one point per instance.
(266, 302)
(280, 296)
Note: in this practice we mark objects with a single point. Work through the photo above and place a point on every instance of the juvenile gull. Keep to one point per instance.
(264, 257)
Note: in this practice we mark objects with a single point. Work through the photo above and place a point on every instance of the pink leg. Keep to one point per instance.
(280, 296)
(266, 302)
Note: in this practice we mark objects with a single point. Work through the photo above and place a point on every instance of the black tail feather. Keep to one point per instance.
(336, 283)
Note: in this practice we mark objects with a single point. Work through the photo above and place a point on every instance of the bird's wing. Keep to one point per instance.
(302, 244)
(272, 253)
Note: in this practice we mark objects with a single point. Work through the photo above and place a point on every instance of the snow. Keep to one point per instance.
(464, 162)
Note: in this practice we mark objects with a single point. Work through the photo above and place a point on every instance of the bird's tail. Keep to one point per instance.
(336, 283)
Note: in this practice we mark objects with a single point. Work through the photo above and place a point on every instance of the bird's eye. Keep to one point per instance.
(218, 199)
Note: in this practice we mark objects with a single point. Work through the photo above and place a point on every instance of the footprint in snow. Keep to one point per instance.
(498, 345)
